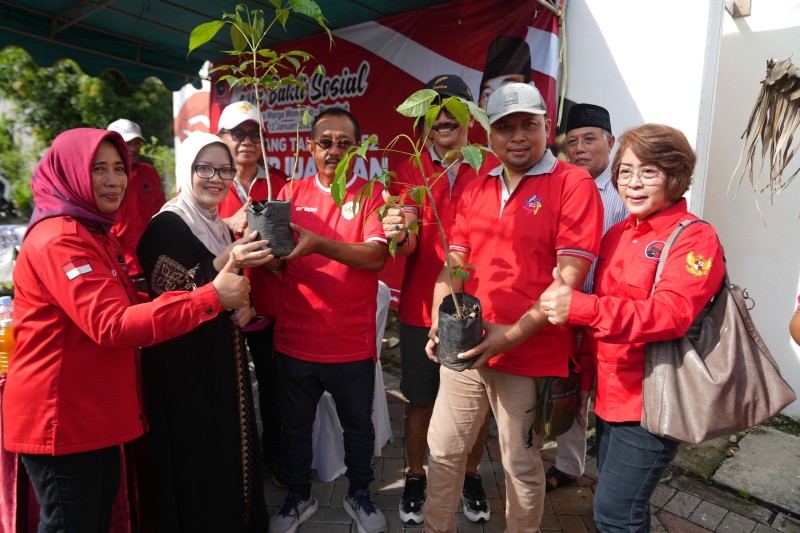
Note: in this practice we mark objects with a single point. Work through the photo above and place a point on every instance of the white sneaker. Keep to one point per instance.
(293, 512)
(361, 508)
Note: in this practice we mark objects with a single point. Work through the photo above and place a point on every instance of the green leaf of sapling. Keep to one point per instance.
(473, 156)
(295, 63)
(340, 179)
(282, 15)
(362, 150)
(204, 33)
(479, 115)
(238, 40)
(418, 103)
(458, 108)
(430, 116)
(258, 24)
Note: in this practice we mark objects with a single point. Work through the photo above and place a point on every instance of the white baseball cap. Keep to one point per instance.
(235, 114)
(127, 128)
(514, 98)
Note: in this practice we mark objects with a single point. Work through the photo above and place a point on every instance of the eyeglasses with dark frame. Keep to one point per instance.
(239, 135)
(207, 172)
(326, 144)
(647, 175)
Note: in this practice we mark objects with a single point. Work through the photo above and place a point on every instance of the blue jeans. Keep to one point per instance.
(630, 462)
(75, 491)
(301, 384)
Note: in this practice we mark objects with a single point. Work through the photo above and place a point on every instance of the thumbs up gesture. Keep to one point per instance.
(233, 290)
(554, 302)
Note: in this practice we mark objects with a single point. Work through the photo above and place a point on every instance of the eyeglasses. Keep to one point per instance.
(207, 172)
(239, 135)
(343, 144)
(647, 175)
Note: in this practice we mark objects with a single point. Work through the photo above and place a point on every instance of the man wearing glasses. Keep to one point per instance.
(420, 376)
(325, 334)
(238, 129)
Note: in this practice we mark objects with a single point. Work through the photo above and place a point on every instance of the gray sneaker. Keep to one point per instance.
(293, 512)
(361, 508)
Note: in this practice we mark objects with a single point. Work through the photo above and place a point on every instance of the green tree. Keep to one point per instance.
(49, 100)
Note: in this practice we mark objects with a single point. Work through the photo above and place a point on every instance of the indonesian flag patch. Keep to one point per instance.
(76, 267)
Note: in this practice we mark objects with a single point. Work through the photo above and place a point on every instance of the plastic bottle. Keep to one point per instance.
(6, 344)
(6, 307)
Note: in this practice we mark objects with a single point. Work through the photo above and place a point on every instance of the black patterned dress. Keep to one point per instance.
(198, 402)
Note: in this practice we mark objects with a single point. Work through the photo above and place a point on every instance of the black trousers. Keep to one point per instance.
(352, 386)
(75, 491)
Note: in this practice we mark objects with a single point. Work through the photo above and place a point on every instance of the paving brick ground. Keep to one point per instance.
(681, 504)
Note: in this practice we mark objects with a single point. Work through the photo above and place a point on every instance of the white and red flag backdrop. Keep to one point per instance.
(373, 67)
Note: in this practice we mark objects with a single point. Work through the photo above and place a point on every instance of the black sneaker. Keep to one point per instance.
(473, 499)
(413, 499)
(294, 511)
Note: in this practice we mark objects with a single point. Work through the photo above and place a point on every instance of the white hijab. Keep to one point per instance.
(206, 223)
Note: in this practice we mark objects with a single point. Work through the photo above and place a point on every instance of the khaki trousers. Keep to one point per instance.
(462, 403)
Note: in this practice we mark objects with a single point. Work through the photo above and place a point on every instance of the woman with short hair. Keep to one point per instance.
(652, 169)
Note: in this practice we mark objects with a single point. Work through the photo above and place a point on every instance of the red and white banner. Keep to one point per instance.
(373, 67)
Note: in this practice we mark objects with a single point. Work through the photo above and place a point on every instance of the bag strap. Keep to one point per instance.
(665, 252)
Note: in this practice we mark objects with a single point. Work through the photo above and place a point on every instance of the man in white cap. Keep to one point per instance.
(514, 225)
(238, 128)
(143, 199)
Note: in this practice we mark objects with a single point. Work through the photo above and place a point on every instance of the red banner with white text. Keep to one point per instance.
(371, 68)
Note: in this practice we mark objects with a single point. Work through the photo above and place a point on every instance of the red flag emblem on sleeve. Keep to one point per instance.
(75, 268)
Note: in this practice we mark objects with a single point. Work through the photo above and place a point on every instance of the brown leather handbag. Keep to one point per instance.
(716, 380)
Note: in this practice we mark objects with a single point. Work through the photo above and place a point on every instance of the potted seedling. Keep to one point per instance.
(460, 318)
(264, 70)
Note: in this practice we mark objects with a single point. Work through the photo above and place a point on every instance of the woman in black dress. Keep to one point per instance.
(196, 387)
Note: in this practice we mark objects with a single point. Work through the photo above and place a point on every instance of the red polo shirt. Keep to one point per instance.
(327, 309)
(554, 210)
(621, 315)
(423, 266)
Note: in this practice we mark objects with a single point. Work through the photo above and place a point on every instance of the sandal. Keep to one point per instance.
(561, 479)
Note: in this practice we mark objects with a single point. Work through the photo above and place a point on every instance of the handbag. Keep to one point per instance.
(557, 403)
(716, 380)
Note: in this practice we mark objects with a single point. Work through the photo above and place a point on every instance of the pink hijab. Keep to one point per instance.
(62, 181)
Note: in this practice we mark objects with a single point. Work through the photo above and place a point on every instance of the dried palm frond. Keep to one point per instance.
(773, 123)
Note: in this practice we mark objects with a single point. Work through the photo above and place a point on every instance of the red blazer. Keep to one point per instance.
(73, 384)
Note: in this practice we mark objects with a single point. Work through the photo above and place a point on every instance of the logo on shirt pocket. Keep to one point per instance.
(653, 250)
(348, 210)
(533, 204)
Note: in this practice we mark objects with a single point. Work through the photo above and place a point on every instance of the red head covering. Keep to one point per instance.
(62, 181)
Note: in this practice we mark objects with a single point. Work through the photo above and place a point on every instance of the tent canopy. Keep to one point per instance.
(143, 38)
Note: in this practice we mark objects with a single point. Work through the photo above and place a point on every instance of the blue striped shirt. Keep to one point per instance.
(613, 213)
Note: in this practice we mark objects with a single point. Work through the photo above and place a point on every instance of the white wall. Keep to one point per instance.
(643, 60)
(686, 63)
(763, 258)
